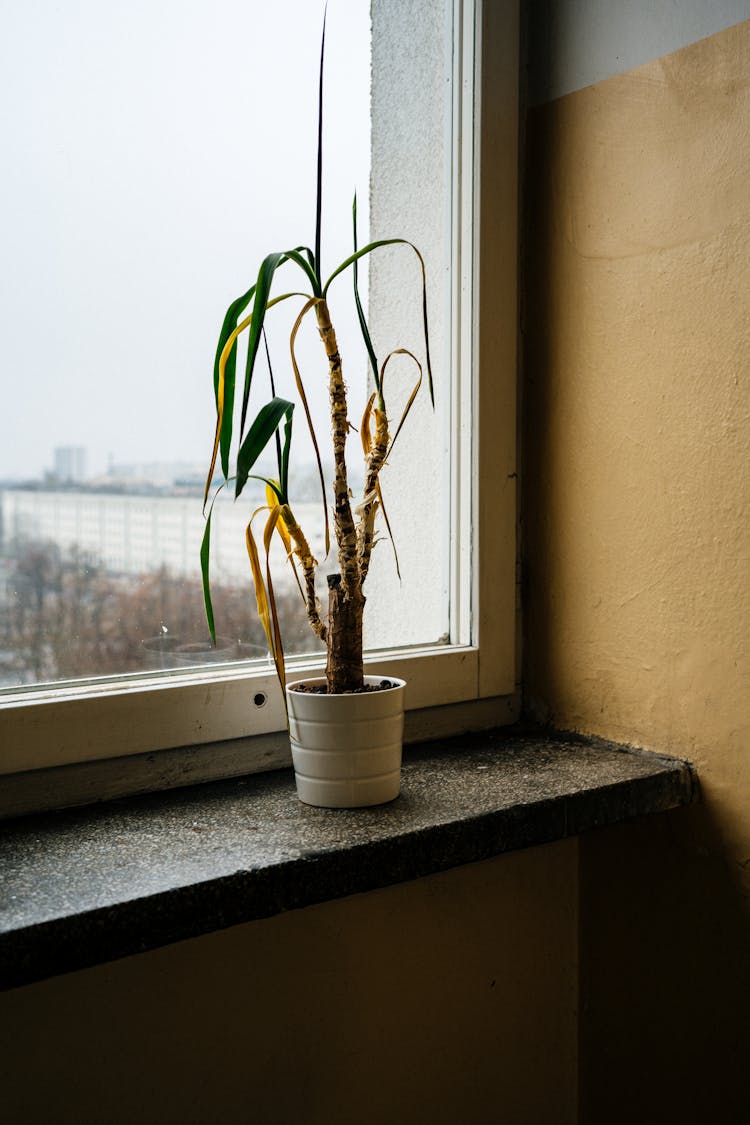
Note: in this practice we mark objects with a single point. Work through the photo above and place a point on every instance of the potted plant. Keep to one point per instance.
(346, 727)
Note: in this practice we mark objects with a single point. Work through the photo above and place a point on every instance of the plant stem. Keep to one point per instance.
(344, 667)
(346, 601)
(346, 535)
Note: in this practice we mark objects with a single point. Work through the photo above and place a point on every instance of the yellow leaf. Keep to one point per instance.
(261, 597)
(412, 396)
(277, 648)
(220, 398)
(364, 431)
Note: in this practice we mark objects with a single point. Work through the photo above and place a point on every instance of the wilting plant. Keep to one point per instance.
(354, 530)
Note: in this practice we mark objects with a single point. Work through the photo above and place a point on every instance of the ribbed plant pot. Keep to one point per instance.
(346, 749)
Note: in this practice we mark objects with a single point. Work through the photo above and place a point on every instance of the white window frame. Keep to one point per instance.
(122, 718)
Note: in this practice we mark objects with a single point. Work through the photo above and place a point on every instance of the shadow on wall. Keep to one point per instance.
(665, 974)
(543, 451)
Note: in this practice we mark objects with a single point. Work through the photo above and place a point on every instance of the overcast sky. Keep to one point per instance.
(153, 153)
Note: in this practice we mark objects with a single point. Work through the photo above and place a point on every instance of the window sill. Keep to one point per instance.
(88, 886)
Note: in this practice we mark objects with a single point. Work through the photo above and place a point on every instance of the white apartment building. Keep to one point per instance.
(133, 534)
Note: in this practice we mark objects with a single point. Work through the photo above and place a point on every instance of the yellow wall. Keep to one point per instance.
(637, 545)
(450, 999)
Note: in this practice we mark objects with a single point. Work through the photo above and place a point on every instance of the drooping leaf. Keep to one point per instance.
(412, 396)
(264, 595)
(272, 484)
(268, 268)
(261, 304)
(300, 387)
(376, 246)
(366, 439)
(221, 412)
(278, 648)
(261, 599)
(388, 529)
(277, 436)
(273, 502)
(232, 315)
(258, 437)
(306, 265)
(205, 556)
(284, 481)
(365, 436)
(360, 311)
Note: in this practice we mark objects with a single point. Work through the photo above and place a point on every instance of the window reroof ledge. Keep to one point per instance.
(91, 885)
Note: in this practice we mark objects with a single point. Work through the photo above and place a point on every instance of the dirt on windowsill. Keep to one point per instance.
(321, 689)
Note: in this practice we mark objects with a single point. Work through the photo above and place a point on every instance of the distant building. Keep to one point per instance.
(135, 534)
(160, 474)
(70, 464)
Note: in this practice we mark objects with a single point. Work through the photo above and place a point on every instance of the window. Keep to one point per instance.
(469, 477)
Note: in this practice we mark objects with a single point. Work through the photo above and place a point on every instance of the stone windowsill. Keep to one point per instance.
(90, 885)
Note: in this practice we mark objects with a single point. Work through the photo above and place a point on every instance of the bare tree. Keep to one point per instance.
(65, 617)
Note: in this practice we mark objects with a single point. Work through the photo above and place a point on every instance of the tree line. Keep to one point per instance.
(64, 616)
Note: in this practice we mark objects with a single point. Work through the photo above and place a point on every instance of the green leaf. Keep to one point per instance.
(301, 390)
(231, 317)
(260, 306)
(273, 393)
(225, 354)
(307, 266)
(360, 311)
(258, 437)
(319, 188)
(205, 559)
(268, 268)
(284, 474)
(272, 484)
(205, 556)
(368, 250)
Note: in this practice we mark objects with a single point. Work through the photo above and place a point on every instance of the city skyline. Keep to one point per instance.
(187, 478)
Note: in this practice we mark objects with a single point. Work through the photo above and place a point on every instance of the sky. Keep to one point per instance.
(154, 152)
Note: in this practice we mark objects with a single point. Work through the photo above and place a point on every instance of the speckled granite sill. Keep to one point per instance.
(81, 887)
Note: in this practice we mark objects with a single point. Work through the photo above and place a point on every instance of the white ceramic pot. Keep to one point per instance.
(347, 748)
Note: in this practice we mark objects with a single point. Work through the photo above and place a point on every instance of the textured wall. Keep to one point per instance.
(637, 544)
(447, 1000)
(410, 196)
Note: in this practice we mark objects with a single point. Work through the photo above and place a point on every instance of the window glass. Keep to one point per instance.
(154, 153)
